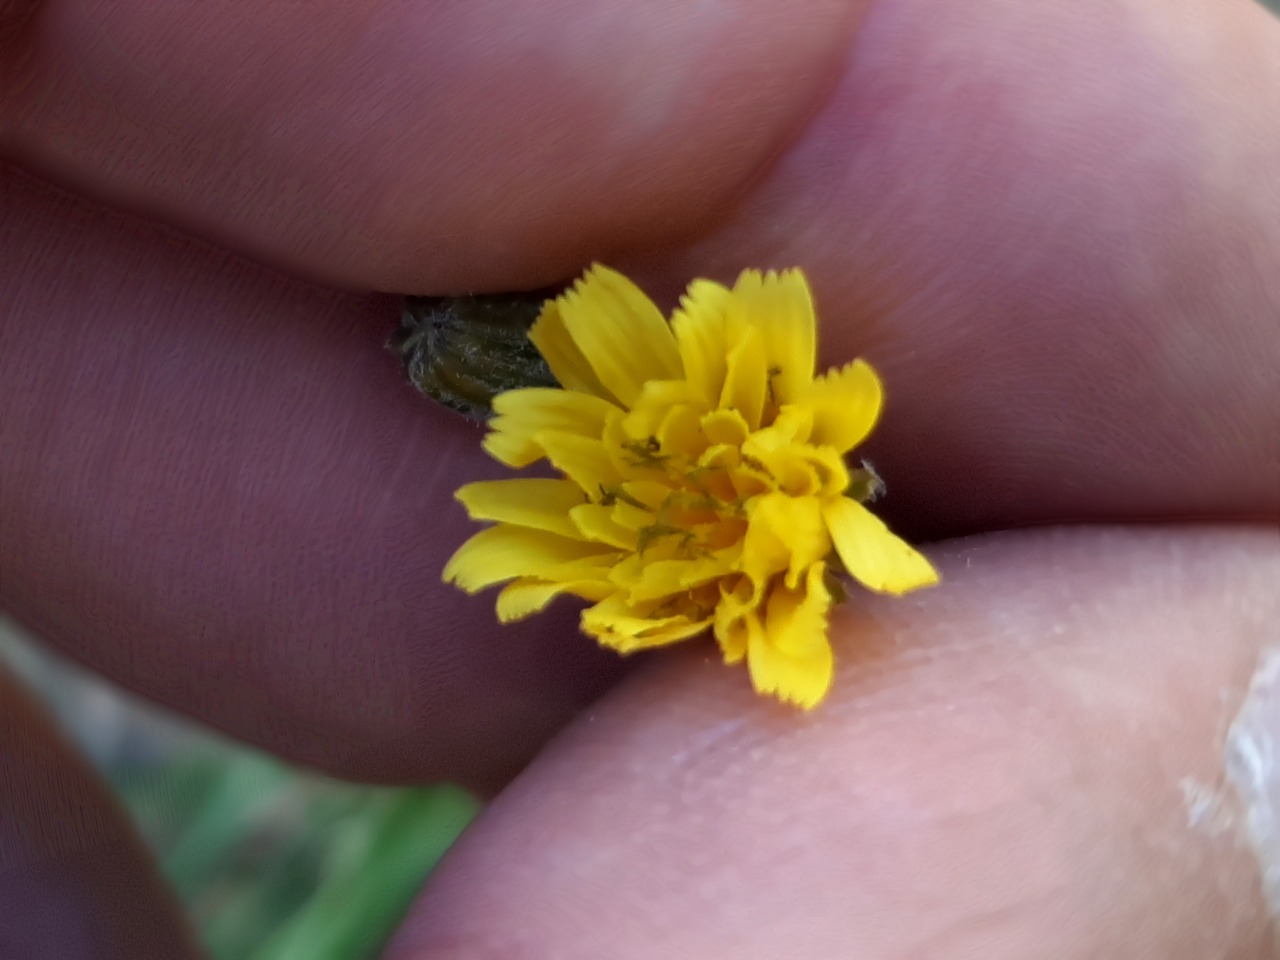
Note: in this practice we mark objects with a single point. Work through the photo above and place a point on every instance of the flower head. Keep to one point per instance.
(703, 483)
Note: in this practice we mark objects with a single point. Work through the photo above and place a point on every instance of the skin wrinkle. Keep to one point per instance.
(945, 809)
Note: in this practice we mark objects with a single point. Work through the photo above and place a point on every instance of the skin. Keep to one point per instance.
(1055, 230)
(74, 879)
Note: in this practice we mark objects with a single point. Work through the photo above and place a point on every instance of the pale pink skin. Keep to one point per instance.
(1054, 228)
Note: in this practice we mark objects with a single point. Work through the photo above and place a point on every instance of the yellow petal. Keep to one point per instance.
(595, 567)
(668, 411)
(784, 535)
(699, 328)
(664, 578)
(681, 433)
(621, 626)
(780, 450)
(796, 619)
(624, 337)
(522, 414)
(725, 428)
(584, 460)
(794, 424)
(829, 466)
(650, 493)
(732, 638)
(527, 596)
(654, 580)
(527, 502)
(739, 599)
(845, 403)
(595, 521)
(792, 471)
(723, 456)
(746, 382)
(630, 517)
(780, 307)
(748, 482)
(788, 655)
(871, 553)
(550, 335)
(506, 552)
(663, 633)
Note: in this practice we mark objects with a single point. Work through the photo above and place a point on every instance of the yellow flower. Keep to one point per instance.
(703, 484)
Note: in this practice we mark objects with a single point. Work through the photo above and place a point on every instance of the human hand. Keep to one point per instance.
(1055, 229)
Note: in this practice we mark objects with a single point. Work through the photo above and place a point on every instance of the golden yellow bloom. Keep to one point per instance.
(703, 483)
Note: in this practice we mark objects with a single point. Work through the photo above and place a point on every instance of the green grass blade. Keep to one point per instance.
(370, 885)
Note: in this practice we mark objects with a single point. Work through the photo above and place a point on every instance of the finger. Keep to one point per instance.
(1055, 228)
(75, 882)
(1026, 762)
(219, 490)
(403, 145)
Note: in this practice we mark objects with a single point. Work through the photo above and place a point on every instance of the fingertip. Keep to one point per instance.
(1001, 771)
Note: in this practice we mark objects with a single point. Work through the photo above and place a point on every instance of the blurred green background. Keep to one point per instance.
(272, 862)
